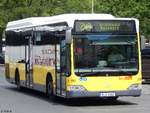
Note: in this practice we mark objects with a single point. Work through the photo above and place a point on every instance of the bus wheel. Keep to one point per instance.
(17, 80)
(49, 88)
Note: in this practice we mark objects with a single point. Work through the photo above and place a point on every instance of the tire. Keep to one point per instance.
(17, 80)
(49, 88)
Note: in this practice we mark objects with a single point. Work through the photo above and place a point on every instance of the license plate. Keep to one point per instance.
(107, 94)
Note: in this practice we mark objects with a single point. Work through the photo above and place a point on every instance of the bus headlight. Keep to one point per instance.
(77, 88)
(135, 87)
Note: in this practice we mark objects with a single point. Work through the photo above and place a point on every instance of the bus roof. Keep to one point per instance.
(68, 18)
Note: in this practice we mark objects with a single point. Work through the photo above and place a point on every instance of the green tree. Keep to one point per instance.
(139, 9)
(17, 9)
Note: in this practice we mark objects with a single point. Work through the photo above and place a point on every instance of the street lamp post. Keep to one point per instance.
(92, 7)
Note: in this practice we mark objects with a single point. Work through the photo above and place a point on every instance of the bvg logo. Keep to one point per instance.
(83, 79)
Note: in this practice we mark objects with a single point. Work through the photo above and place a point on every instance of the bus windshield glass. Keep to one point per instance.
(105, 54)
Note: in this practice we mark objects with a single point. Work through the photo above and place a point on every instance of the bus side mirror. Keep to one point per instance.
(68, 36)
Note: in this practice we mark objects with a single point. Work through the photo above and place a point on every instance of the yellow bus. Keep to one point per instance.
(75, 55)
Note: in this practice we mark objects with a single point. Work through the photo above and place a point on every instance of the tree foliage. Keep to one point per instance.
(18, 9)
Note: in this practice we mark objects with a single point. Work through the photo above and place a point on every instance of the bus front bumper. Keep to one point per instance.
(101, 94)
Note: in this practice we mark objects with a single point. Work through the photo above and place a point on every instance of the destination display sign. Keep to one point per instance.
(98, 26)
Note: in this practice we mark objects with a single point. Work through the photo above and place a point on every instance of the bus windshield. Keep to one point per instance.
(105, 54)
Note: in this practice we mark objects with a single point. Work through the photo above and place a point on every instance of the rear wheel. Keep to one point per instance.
(17, 80)
(49, 88)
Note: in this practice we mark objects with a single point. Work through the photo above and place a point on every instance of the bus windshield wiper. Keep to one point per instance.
(125, 72)
(89, 73)
(119, 72)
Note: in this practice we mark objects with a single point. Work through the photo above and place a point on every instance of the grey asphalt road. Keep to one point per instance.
(29, 101)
